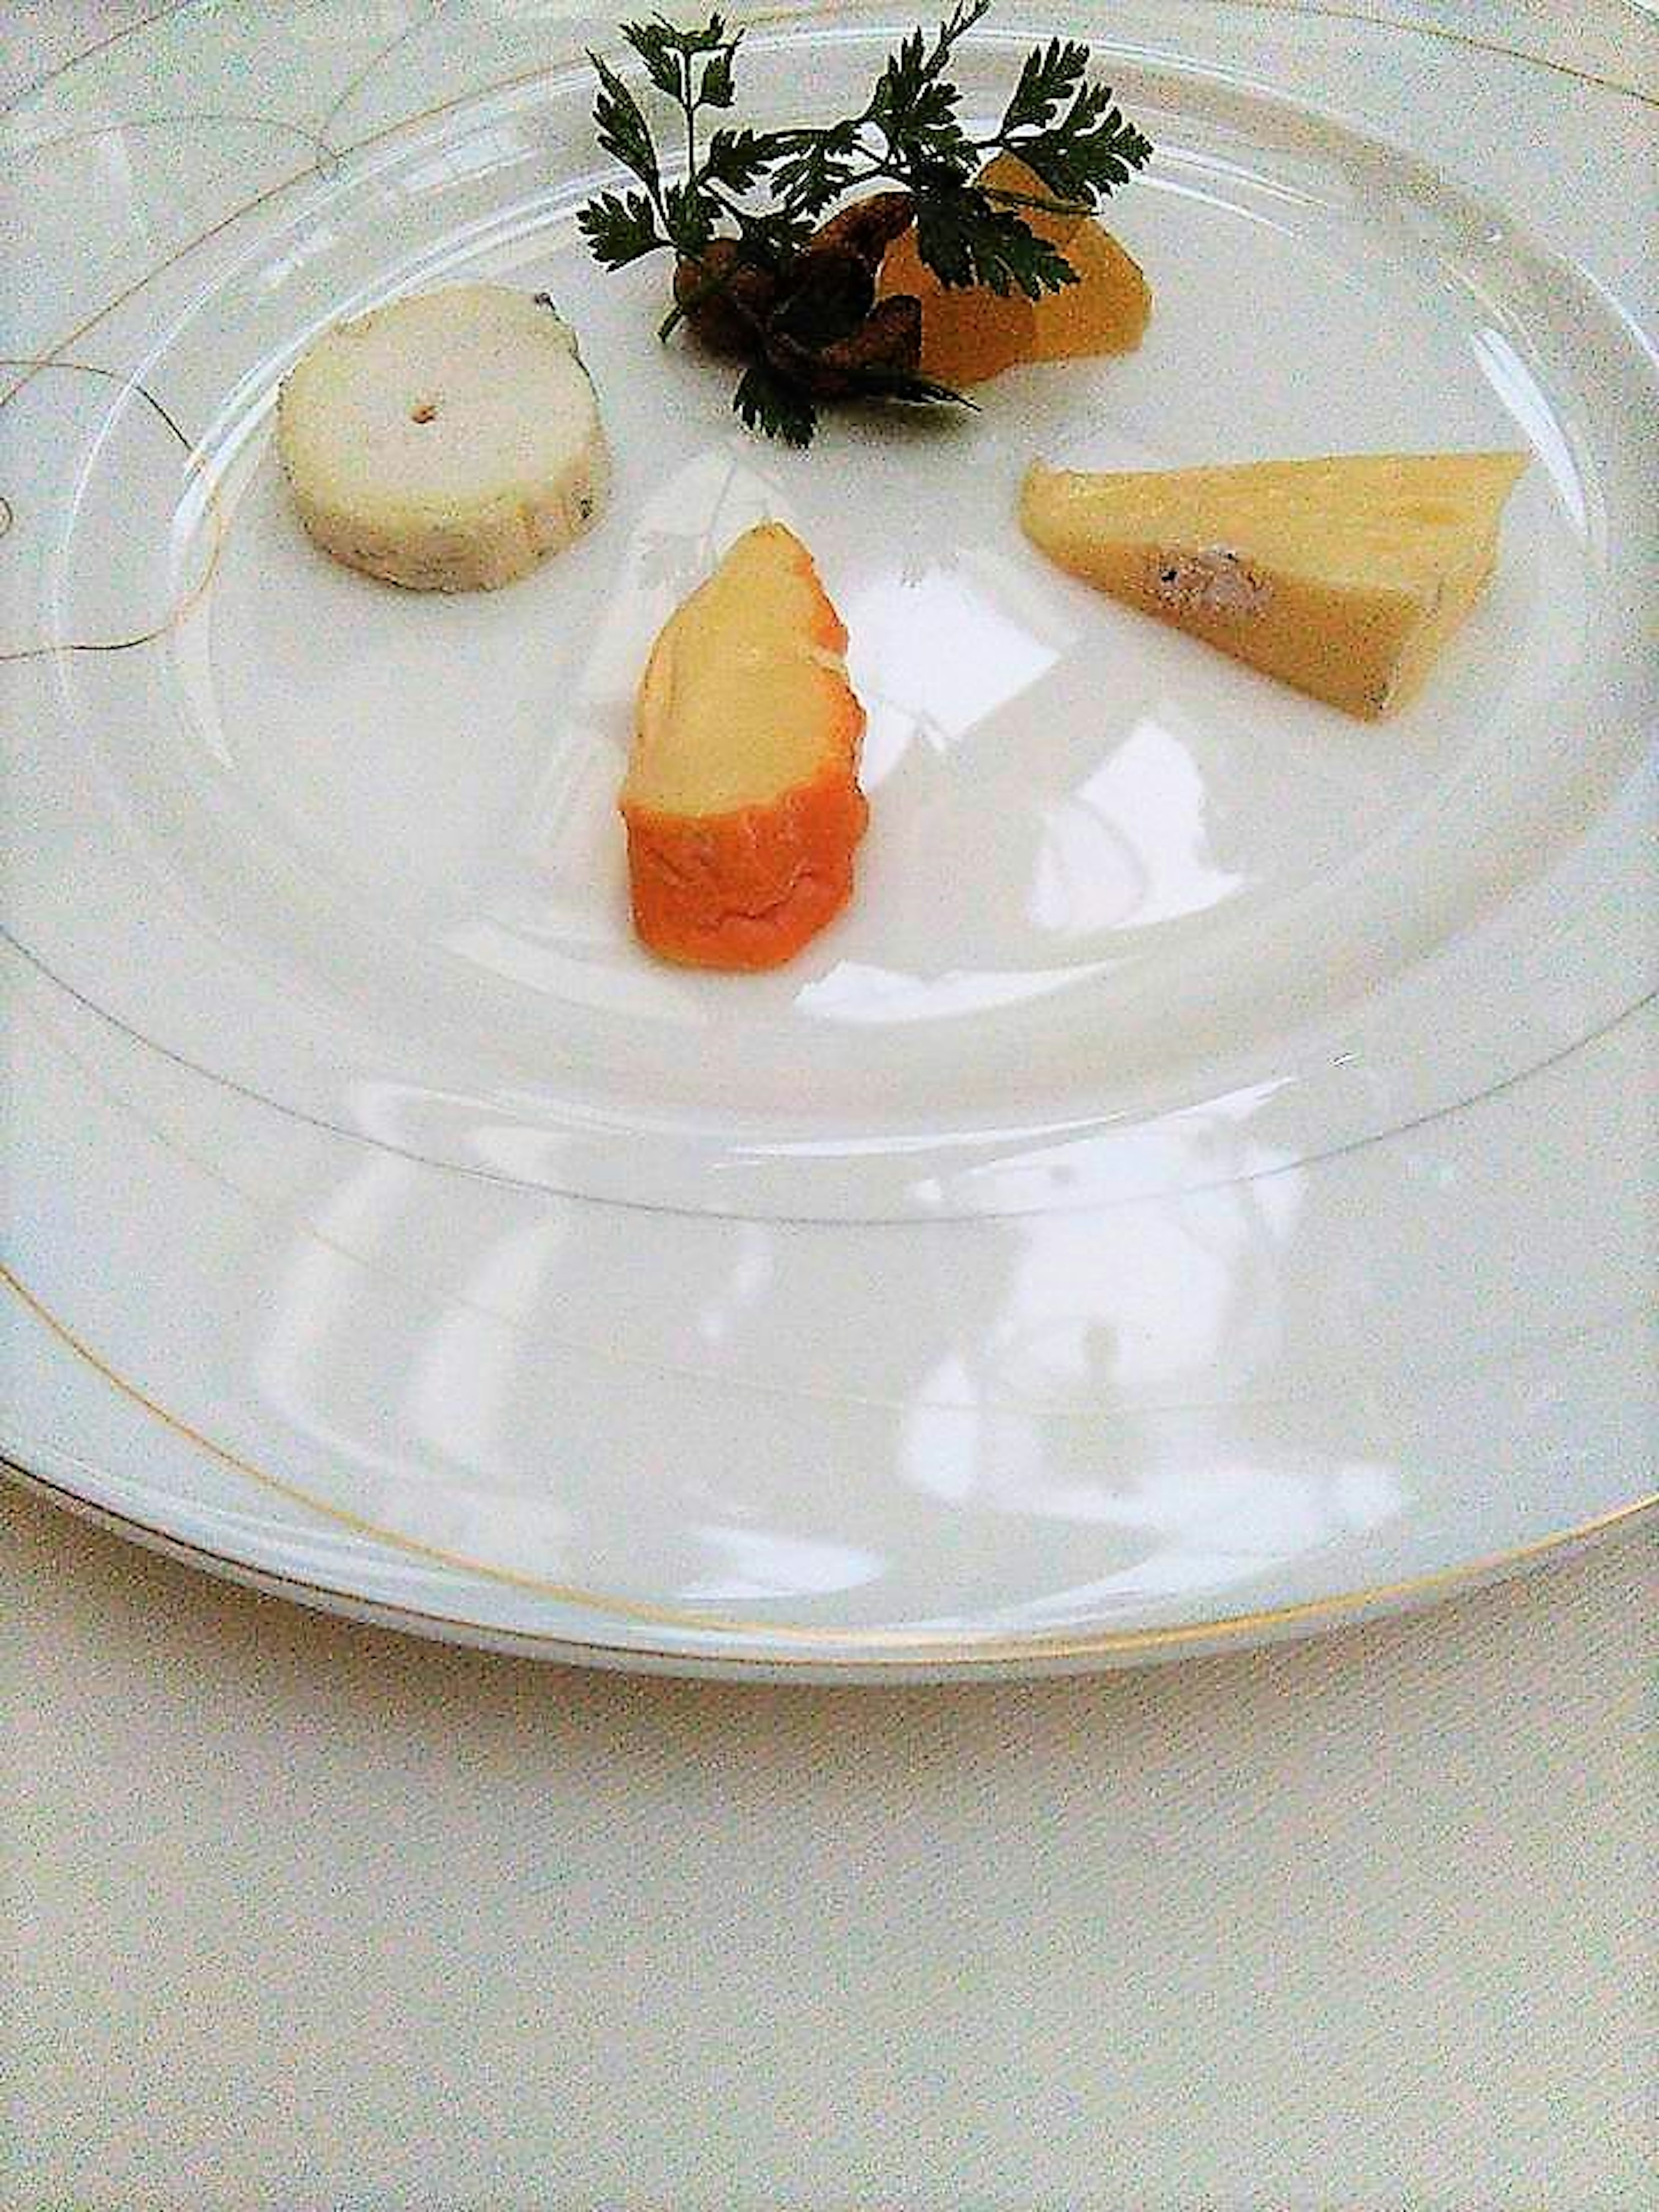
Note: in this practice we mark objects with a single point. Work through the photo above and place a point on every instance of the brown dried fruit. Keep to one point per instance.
(827, 293)
(887, 342)
(726, 300)
(889, 339)
(866, 228)
(816, 320)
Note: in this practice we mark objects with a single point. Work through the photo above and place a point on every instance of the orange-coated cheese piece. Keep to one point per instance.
(742, 801)
(745, 890)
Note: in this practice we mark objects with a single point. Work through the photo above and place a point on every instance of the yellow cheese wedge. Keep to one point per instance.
(1343, 576)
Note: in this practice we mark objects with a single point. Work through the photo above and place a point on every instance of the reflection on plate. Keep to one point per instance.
(1196, 1182)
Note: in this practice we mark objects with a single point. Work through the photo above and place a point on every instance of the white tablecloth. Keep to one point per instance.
(309, 1915)
(303, 1915)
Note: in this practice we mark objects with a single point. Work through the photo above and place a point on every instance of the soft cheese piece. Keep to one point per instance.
(446, 442)
(1343, 576)
(741, 799)
(971, 334)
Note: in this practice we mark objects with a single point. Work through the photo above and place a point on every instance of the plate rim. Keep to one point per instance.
(1014, 1658)
(1317, 10)
(877, 1654)
(988, 1658)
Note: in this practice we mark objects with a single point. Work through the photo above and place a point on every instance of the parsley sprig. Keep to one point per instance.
(694, 70)
(795, 295)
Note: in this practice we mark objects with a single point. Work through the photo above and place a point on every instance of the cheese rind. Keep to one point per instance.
(741, 799)
(747, 889)
(1343, 576)
(446, 442)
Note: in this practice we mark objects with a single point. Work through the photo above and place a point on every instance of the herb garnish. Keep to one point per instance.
(793, 295)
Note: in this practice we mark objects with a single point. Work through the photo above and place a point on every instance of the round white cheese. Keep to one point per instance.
(446, 442)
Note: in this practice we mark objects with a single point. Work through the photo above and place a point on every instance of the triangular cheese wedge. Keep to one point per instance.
(742, 799)
(1342, 576)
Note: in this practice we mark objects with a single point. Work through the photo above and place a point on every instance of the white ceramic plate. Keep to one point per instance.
(1195, 1192)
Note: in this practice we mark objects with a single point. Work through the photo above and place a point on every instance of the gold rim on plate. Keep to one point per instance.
(869, 1648)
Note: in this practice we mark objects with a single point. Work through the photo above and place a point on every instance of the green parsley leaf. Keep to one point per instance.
(908, 390)
(657, 46)
(912, 105)
(965, 240)
(691, 220)
(1046, 82)
(718, 88)
(814, 168)
(757, 198)
(736, 158)
(1091, 150)
(775, 404)
(619, 228)
(621, 130)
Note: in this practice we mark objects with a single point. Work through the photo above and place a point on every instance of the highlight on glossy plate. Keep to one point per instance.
(1181, 1177)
